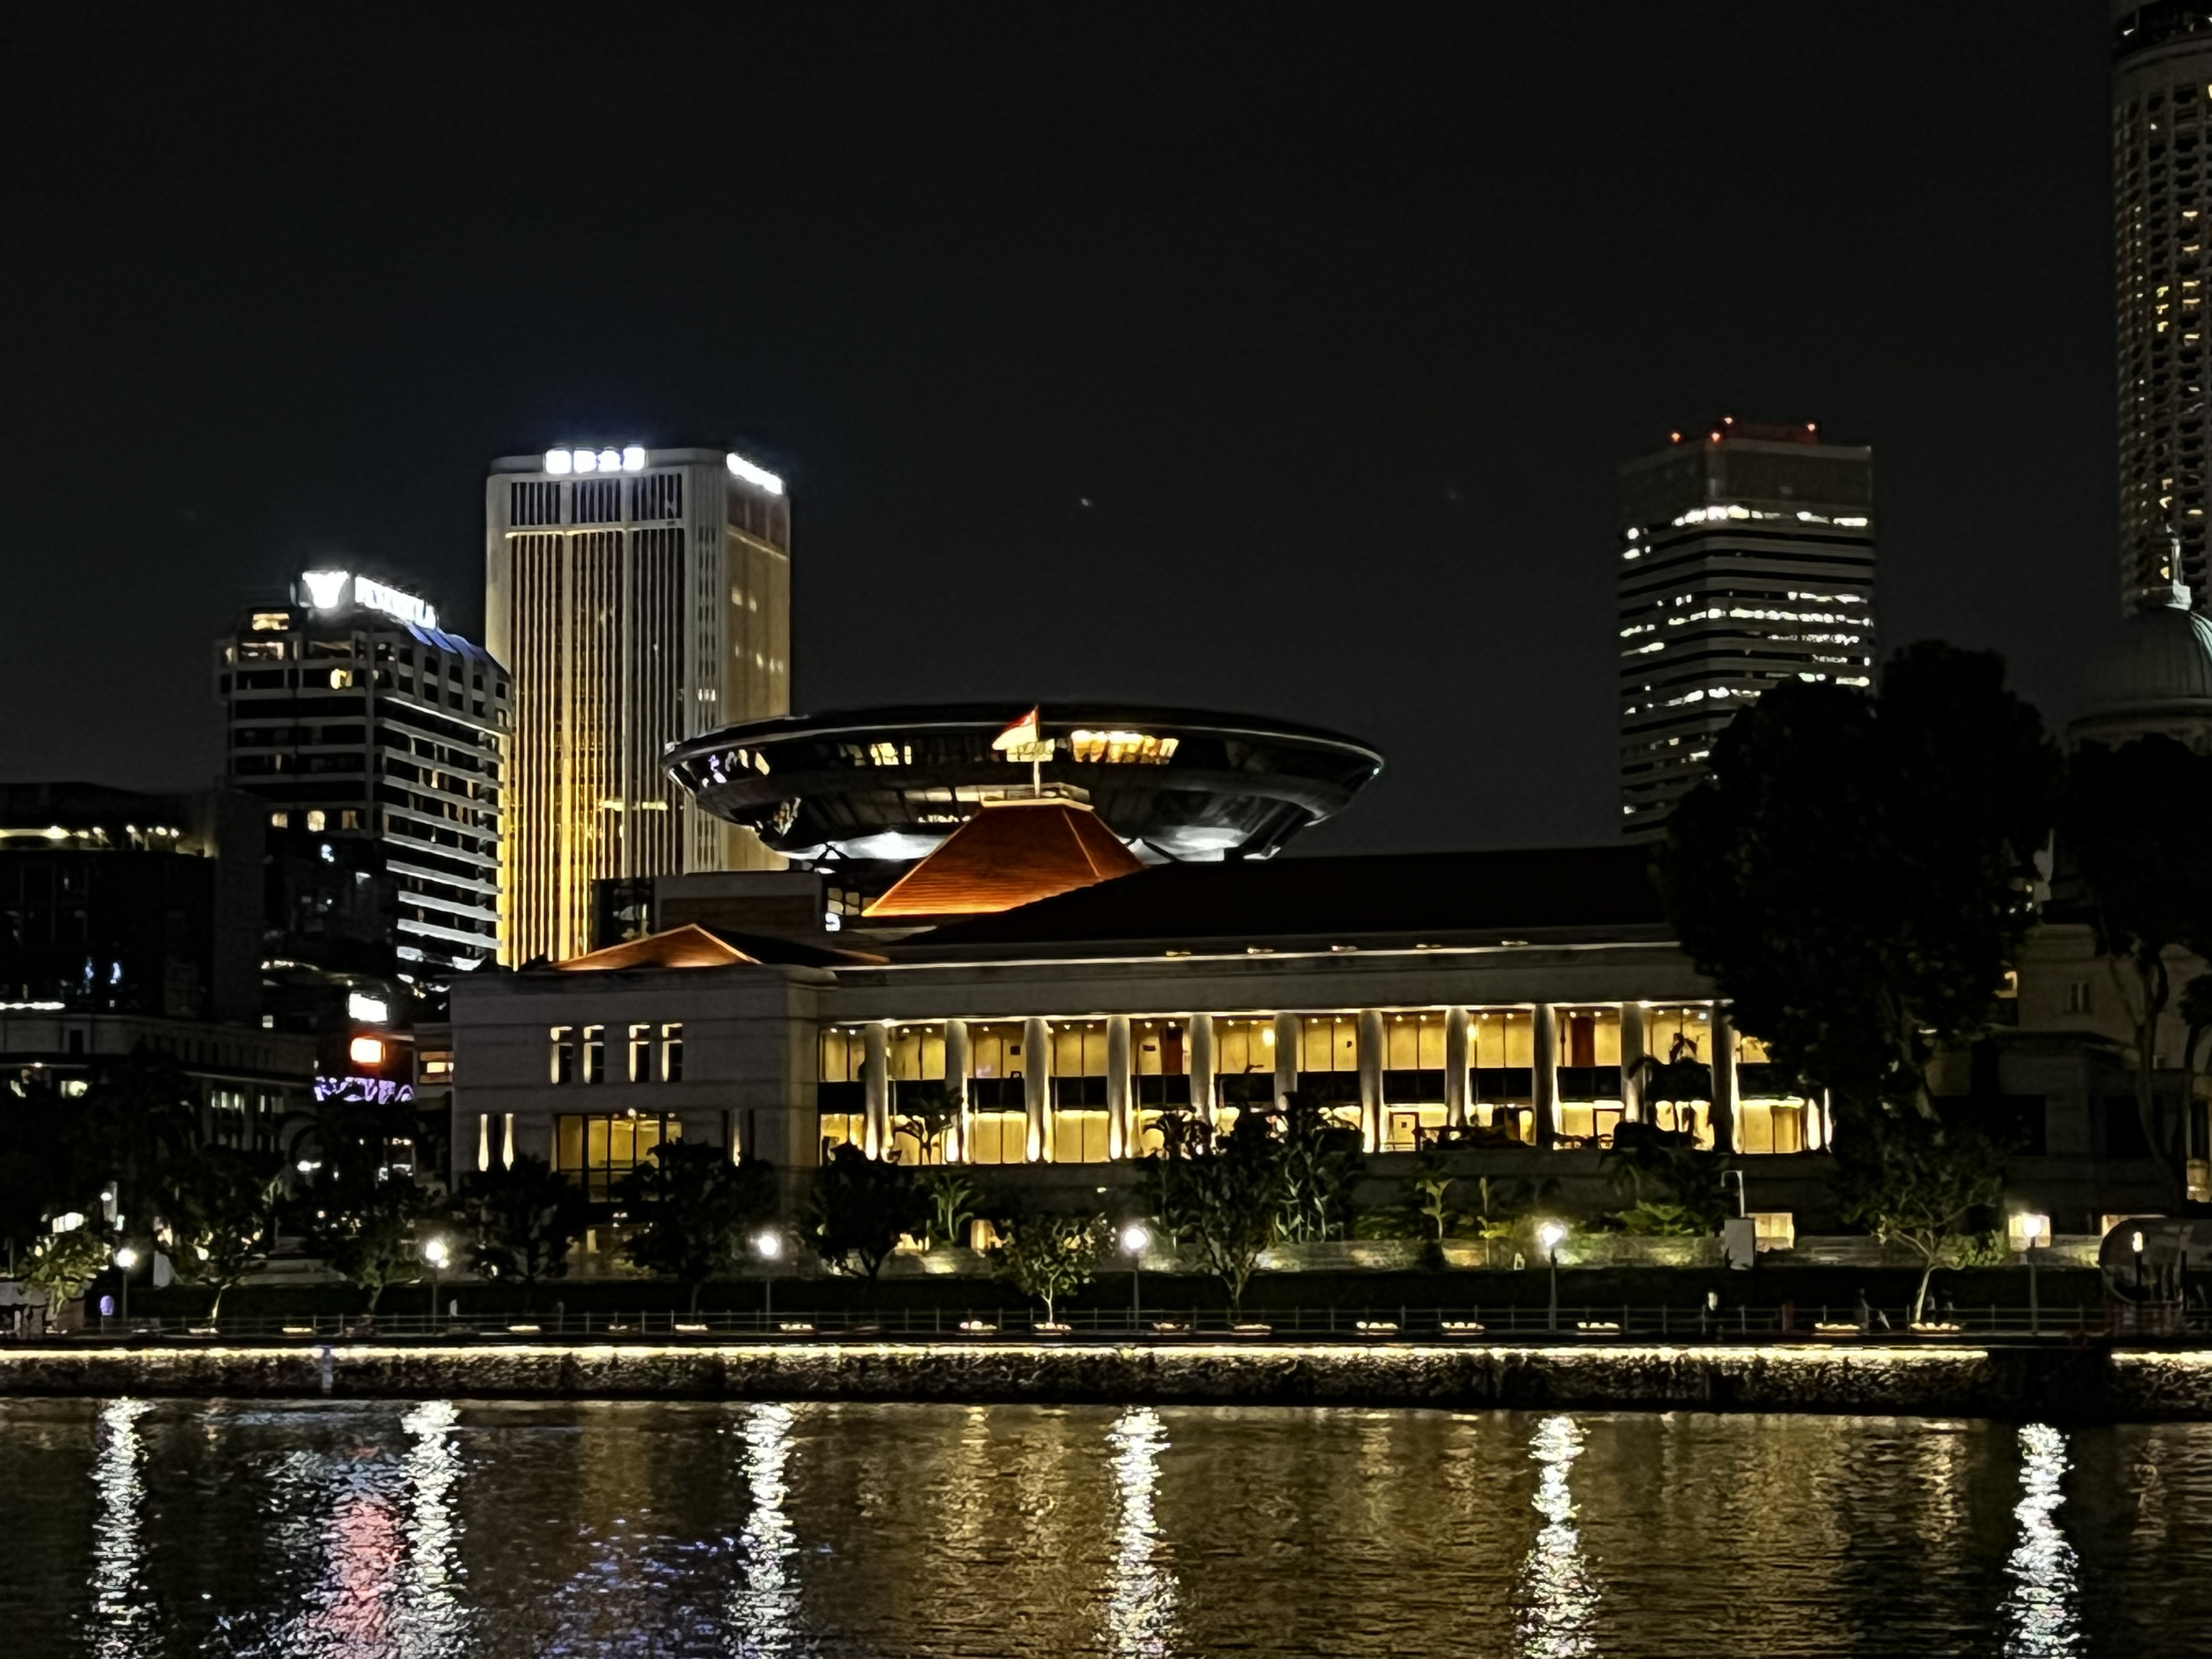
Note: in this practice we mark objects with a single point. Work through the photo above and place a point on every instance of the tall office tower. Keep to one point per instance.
(642, 597)
(374, 740)
(1746, 558)
(2162, 200)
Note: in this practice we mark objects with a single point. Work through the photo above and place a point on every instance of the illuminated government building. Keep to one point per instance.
(642, 597)
(1075, 991)
(1746, 559)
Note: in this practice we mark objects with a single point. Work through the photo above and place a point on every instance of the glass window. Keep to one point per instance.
(1679, 1037)
(1501, 1051)
(1079, 1093)
(671, 1053)
(998, 1137)
(595, 1053)
(640, 1054)
(1412, 1078)
(1159, 1073)
(1243, 1066)
(561, 1063)
(598, 1151)
(995, 1075)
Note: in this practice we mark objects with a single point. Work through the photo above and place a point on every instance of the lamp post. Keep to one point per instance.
(2033, 1230)
(437, 1253)
(768, 1245)
(1549, 1236)
(1136, 1238)
(126, 1259)
(2136, 1243)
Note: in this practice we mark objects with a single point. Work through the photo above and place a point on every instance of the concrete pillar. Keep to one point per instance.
(1723, 1062)
(876, 1136)
(483, 1140)
(1287, 1056)
(1456, 1065)
(1120, 1119)
(1199, 1052)
(955, 1085)
(1545, 1061)
(1037, 1088)
(1632, 1052)
(1371, 1053)
(507, 1145)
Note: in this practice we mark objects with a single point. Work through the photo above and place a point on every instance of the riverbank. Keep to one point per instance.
(2049, 1380)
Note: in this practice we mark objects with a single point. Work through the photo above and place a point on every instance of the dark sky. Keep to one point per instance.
(1339, 320)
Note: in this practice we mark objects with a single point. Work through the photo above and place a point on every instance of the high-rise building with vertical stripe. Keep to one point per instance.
(1746, 559)
(638, 597)
(2162, 207)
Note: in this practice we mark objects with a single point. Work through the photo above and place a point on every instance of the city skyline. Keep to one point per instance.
(1064, 428)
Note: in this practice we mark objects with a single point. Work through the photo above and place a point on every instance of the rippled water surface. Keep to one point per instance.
(439, 1529)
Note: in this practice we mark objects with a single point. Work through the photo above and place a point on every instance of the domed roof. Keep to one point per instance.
(2160, 660)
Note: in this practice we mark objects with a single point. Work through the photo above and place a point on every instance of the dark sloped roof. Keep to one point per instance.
(1416, 894)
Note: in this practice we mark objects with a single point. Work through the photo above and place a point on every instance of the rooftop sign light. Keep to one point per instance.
(759, 476)
(562, 462)
(327, 590)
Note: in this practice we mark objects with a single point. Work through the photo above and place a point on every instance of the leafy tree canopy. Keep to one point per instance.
(1049, 1256)
(860, 1208)
(696, 1209)
(522, 1220)
(1857, 875)
(1927, 1184)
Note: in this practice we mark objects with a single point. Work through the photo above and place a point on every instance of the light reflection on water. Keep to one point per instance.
(1559, 1598)
(121, 1619)
(1140, 1611)
(437, 1531)
(2040, 1609)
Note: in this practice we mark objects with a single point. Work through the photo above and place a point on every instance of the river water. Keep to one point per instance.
(457, 1529)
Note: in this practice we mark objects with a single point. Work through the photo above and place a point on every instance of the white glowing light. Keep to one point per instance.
(587, 460)
(759, 476)
(393, 602)
(633, 459)
(325, 588)
(610, 460)
(1550, 1234)
(556, 463)
(435, 1252)
(372, 1010)
(126, 1258)
(770, 1245)
(1136, 1238)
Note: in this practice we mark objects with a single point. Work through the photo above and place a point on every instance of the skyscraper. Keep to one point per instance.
(373, 739)
(1746, 558)
(642, 597)
(2162, 200)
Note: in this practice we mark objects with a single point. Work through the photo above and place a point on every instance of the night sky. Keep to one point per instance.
(1257, 358)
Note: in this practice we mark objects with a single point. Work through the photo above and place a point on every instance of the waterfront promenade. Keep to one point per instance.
(2073, 1379)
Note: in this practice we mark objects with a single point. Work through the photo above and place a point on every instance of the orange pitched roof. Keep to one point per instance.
(1011, 853)
(689, 946)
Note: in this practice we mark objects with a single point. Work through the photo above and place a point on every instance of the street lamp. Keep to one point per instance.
(2033, 1230)
(1549, 1236)
(2136, 1243)
(126, 1259)
(1136, 1239)
(768, 1245)
(437, 1253)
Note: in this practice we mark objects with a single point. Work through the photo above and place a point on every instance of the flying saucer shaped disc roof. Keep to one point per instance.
(892, 783)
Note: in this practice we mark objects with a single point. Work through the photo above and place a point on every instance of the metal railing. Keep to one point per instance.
(1573, 1322)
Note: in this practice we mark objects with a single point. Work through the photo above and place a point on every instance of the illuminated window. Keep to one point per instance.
(915, 1054)
(1589, 1075)
(1679, 1038)
(434, 1066)
(1078, 1127)
(597, 1152)
(640, 1054)
(1328, 1065)
(998, 1103)
(316, 819)
(1413, 1078)
(271, 620)
(1159, 1076)
(1774, 1229)
(1120, 748)
(280, 820)
(1243, 1066)
(561, 1053)
(1501, 1092)
(340, 679)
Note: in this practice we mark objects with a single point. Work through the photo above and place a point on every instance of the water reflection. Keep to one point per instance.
(764, 1605)
(2039, 1612)
(1559, 1599)
(1140, 1610)
(122, 1612)
(432, 1619)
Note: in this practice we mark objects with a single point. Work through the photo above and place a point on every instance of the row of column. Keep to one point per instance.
(1121, 1119)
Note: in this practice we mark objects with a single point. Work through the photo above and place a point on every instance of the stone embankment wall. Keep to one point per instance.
(2059, 1383)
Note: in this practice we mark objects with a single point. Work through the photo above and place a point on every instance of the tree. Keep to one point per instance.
(227, 1219)
(861, 1207)
(1224, 1199)
(1927, 1184)
(1049, 1256)
(522, 1220)
(696, 1208)
(950, 1196)
(64, 1264)
(1671, 1189)
(132, 1133)
(1857, 875)
(929, 1112)
(1318, 1162)
(2137, 828)
(363, 1225)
